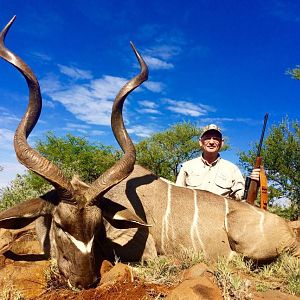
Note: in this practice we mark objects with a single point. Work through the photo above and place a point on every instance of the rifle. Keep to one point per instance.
(251, 186)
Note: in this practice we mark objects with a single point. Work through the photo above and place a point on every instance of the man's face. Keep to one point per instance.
(211, 142)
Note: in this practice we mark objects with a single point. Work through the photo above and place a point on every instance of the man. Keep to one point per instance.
(212, 173)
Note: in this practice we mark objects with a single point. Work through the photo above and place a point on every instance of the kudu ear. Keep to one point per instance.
(26, 212)
(120, 216)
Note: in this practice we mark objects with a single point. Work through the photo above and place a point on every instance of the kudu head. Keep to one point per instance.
(76, 209)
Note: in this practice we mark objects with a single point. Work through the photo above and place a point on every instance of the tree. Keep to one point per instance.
(76, 155)
(295, 73)
(20, 189)
(281, 159)
(163, 152)
(73, 155)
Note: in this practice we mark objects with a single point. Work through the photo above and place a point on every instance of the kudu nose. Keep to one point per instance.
(83, 282)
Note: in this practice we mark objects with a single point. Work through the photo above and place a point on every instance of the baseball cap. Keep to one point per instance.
(211, 127)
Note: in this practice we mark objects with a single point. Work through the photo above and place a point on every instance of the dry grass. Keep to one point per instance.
(166, 269)
(239, 277)
(9, 292)
(229, 279)
(53, 278)
(283, 274)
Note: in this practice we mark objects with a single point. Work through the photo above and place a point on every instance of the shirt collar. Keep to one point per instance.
(213, 163)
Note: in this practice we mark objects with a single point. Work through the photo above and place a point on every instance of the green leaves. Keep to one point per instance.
(163, 152)
(76, 155)
(73, 155)
(295, 73)
(281, 159)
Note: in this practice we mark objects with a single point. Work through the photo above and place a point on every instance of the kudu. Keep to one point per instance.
(89, 223)
(71, 215)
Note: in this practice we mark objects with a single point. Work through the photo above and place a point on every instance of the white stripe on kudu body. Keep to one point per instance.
(81, 246)
(195, 225)
(261, 221)
(226, 213)
(166, 216)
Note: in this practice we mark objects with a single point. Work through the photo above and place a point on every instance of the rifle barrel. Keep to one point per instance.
(262, 134)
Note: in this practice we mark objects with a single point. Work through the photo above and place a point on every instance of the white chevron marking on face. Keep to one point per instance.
(81, 246)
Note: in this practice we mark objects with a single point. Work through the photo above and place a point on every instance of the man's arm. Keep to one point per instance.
(180, 181)
(237, 190)
(255, 174)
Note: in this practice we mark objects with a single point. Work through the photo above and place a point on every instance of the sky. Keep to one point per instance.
(221, 62)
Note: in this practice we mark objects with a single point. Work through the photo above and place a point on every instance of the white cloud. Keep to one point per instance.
(223, 120)
(80, 102)
(77, 126)
(163, 51)
(8, 118)
(149, 107)
(10, 169)
(48, 104)
(41, 56)
(150, 111)
(156, 63)
(154, 86)
(97, 132)
(187, 108)
(107, 87)
(50, 83)
(84, 129)
(141, 131)
(6, 139)
(75, 73)
(90, 102)
(148, 104)
(8, 158)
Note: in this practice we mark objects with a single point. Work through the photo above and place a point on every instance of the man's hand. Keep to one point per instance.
(255, 174)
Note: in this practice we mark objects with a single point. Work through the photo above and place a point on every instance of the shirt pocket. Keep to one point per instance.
(223, 181)
(194, 179)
